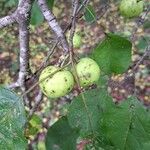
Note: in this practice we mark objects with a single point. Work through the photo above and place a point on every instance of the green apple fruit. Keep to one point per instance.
(58, 85)
(77, 40)
(88, 71)
(131, 8)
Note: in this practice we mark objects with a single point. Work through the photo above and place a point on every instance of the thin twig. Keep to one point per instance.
(54, 24)
(75, 8)
(49, 54)
(83, 5)
(36, 105)
(146, 53)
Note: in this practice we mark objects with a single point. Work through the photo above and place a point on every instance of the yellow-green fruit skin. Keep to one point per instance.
(88, 71)
(77, 40)
(58, 85)
(131, 8)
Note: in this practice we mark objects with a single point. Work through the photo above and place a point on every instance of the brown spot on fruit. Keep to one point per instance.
(46, 80)
(53, 91)
(65, 79)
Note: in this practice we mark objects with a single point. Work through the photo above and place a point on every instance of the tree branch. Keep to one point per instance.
(36, 105)
(7, 20)
(23, 20)
(13, 85)
(54, 24)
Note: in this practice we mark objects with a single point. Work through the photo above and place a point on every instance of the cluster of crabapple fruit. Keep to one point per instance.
(55, 83)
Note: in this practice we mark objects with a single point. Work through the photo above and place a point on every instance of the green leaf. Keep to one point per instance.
(143, 43)
(113, 54)
(12, 121)
(96, 101)
(36, 121)
(61, 136)
(103, 81)
(35, 124)
(90, 15)
(11, 3)
(146, 25)
(126, 126)
(50, 3)
(36, 15)
(146, 146)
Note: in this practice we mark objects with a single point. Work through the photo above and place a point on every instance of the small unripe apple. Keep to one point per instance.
(88, 71)
(77, 40)
(58, 85)
(131, 8)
